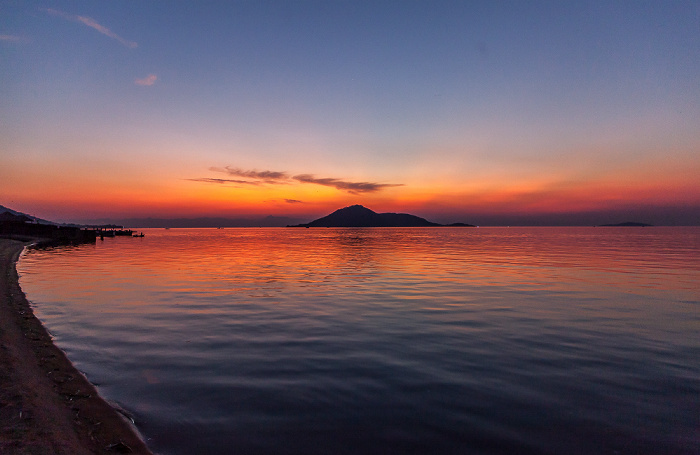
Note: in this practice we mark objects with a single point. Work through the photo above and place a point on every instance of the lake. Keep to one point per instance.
(388, 340)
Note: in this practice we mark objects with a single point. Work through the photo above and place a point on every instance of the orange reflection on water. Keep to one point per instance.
(411, 264)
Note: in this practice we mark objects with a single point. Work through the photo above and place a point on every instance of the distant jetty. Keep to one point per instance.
(19, 226)
(22, 227)
(359, 216)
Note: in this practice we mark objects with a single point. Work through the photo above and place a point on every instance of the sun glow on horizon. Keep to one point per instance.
(453, 112)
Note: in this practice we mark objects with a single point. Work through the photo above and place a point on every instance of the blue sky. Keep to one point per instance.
(466, 108)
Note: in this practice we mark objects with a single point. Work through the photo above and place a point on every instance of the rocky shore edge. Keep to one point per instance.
(46, 405)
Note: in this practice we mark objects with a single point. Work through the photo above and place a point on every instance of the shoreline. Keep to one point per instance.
(47, 406)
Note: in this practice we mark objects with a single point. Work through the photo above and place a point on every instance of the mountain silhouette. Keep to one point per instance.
(4, 210)
(359, 216)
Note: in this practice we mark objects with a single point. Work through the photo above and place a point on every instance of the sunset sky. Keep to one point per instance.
(484, 112)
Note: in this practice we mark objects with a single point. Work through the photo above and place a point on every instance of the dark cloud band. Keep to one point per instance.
(266, 176)
(350, 187)
(255, 177)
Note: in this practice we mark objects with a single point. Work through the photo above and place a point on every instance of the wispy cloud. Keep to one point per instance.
(266, 176)
(293, 201)
(350, 187)
(12, 38)
(92, 23)
(148, 80)
(224, 181)
(255, 177)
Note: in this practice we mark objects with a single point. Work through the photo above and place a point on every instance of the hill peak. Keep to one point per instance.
(360, 216)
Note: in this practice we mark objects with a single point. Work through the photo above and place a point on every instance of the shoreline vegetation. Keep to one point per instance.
(46, 405)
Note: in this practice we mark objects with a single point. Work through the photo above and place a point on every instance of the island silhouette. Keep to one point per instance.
(627, 224)
(360, 216)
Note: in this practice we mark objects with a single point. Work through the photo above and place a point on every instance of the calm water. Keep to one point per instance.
(382, 341)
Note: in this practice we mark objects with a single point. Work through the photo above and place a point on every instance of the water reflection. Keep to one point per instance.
(415, 340)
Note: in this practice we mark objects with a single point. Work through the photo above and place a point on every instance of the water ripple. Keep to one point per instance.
(348, 341)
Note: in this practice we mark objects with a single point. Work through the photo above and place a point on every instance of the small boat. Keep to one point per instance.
(139, 235)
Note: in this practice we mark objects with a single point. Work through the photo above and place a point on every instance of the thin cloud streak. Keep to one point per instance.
(146, 81)
(278, 177)
(266, 176)
(350, 187)
(11, 38)
(224, 181)
(92, 23)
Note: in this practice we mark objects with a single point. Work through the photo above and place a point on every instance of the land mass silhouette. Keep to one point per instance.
(359, 216)
(627, 224)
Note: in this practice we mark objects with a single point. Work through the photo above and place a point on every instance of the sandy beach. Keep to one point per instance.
(46, 405)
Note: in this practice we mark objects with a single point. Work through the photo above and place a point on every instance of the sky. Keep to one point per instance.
(485, 112)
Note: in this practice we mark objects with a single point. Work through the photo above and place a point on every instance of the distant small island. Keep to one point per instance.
(627, 224)
(359, 216)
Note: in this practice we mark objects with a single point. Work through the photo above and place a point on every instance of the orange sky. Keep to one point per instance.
(448, 113)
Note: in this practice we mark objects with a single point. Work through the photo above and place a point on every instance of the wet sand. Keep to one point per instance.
(46, 405)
